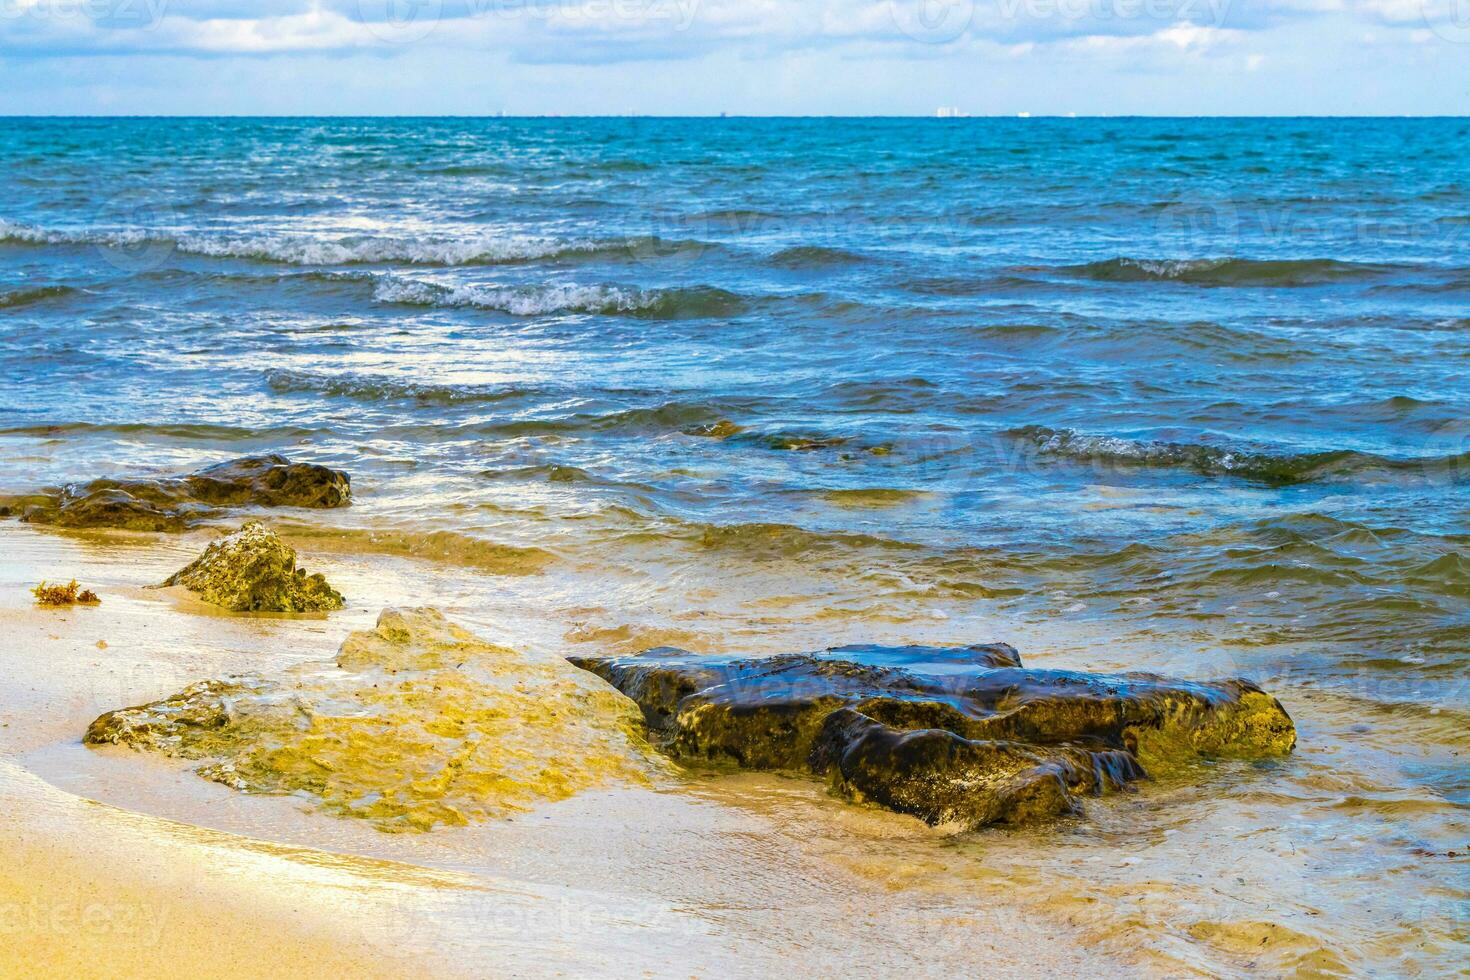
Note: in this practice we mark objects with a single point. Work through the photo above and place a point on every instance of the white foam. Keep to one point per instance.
(307, 250)
(295, 248)
(516, 300)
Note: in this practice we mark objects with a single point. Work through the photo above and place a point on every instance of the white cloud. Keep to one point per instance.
(606, 31)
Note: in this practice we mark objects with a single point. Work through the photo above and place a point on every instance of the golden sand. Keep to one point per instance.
(129, 863)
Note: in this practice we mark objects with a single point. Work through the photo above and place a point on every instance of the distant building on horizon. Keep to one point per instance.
(950, 112)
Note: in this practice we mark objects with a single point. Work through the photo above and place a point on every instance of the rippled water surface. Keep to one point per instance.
(1175, 395)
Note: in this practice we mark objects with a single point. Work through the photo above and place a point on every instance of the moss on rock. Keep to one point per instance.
(179, 502)
(252, 570)
(421, 723)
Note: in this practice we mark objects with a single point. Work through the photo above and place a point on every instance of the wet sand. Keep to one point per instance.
(118, 857)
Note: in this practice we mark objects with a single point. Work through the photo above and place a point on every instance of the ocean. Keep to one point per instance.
(1178, 395)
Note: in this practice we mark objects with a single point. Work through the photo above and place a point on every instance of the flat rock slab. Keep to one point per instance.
(179, 502)
(954, 735)
(419, 723)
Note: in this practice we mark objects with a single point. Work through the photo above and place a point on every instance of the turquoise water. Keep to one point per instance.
(1169, 394)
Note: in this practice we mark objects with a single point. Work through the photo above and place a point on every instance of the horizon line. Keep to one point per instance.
(936, 116)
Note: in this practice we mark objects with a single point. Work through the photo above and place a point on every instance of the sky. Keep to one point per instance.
(743, 57)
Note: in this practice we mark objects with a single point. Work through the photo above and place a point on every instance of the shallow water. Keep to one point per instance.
(1174, 395)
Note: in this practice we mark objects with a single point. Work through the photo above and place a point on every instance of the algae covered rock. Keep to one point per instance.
(420, 723)
(952, 735)
(252, 570)
(175, 503)
(186, 719)
(115, 507)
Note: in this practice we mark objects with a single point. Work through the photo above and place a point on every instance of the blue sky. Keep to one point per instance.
(780, 57)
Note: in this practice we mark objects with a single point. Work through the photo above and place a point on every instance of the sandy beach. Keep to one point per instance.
(129, 856)
(116, 856)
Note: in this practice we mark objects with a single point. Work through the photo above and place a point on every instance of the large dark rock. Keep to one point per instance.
(952, 735)
(174, 503)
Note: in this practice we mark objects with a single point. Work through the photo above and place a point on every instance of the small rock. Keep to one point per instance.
(252, 570)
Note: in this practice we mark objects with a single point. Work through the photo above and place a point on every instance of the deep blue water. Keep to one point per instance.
(1210, 371)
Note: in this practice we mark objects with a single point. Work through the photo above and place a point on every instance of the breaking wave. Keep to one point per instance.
(480, 248)
(369, 387)
(657, 304)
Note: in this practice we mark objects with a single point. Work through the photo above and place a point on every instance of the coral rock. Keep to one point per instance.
(252, 570)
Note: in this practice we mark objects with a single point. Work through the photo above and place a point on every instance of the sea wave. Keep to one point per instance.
(815, 256)
(871, 496)
(789, 540)
(195, 431)
(889, 395)
(1229, 271)
(293, 248)
(481, 249)
(299, 249)
(670, 417)
(12, 233)
(688, 418)
(377, 387)
(1383, 578)
(1270, 467)
(657, 304)
(36, 294)
(739, 217)
(560, 473)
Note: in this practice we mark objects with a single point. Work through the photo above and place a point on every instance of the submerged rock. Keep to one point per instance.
(174, 503)
(952, 735)
(420, 723)
(721, 429)
(252, 570)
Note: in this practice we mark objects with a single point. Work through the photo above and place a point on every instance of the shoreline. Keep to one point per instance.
(729, 874)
